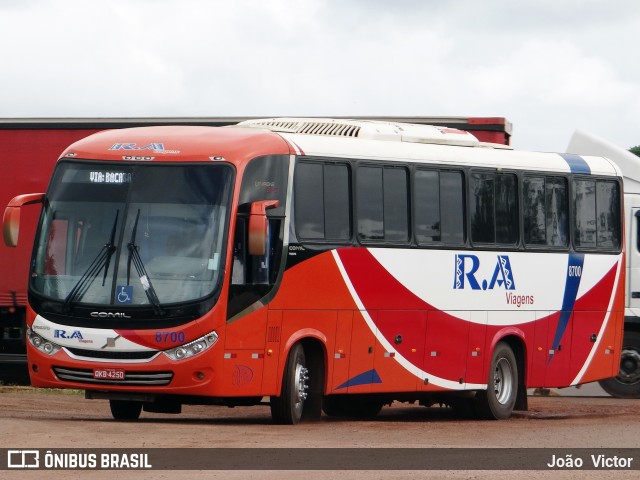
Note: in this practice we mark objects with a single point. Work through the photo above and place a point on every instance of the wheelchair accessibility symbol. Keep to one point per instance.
(124, 294)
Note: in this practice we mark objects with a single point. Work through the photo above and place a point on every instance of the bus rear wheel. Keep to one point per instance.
(125, 409)
(498, 400)
(288, 407)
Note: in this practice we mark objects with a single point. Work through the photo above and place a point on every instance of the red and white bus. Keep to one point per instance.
(326, 264)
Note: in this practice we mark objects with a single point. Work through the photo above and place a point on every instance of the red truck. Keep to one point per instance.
(30, 149)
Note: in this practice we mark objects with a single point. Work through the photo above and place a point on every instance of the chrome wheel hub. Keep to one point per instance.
(503, 381)
(301, 386)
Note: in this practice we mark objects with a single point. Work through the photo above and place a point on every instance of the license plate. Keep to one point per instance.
(108, 374)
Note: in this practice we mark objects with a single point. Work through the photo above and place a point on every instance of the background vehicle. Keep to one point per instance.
(30, 148)
(627, 383)
(312, 261)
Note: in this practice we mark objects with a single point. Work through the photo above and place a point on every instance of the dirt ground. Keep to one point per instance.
(31, 418)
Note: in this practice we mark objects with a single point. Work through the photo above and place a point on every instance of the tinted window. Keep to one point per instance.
(557, 207)
(597, 214)
(322, 201)
(545, 210)
(585, 213)
(506, 209)
(481, 208)
(383, 206)
(427, 204)
(535, 219)
(396, 205)
(369, 199)
(608, 217)
(439, 203)
(337, 201)
(309, 200)
(452, 207)
(493, 208)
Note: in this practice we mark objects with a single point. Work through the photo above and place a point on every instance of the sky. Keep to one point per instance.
(548, 66)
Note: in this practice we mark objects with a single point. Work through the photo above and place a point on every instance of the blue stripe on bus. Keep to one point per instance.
(574, 274)
(365, 378)
(577, 164)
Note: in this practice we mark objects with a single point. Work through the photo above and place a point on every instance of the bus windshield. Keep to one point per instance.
(132, 235)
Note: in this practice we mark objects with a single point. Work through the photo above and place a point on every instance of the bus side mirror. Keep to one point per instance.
(258, 226)
(11, 220)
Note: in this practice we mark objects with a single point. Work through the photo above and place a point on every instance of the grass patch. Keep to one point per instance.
(41, 391)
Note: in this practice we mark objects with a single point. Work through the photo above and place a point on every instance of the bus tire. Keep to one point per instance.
(125, 410)
(498, 400)
(627, 383)
(288, 407)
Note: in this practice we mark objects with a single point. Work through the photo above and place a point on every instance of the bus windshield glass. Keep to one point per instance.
(132, 235)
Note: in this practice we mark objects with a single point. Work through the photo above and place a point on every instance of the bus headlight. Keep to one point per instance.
(41, 343)
(190, 349)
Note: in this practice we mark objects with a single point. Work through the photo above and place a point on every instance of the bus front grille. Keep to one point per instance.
(131, 378)
(115, 356)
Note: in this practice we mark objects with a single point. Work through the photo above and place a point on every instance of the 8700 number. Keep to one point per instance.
(172, 337)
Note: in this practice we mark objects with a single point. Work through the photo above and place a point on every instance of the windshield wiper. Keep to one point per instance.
(102, 260)
(134, 256)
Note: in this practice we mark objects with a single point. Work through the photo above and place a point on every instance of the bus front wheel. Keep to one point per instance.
(627, 383)
(125, 409)
(288, 407)
(498, 400)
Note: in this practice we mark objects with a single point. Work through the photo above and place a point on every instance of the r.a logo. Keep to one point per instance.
(466, 267)
(66, 335)
(134, 146)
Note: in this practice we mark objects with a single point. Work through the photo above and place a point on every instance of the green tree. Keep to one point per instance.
(635, 150)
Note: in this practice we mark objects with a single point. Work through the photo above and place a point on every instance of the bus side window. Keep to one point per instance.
(261, 264)
(535, 221)
(254, 270)
(238, 273)
(481, 207)
(557, 208)
(585, 213)
(427, 206)
(545, 211)
(607, 216)
(452, 207)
